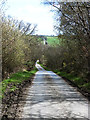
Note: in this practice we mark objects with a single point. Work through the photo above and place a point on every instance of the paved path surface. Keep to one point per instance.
(50, 97)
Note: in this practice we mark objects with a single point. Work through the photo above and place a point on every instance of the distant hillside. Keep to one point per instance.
(53, 40)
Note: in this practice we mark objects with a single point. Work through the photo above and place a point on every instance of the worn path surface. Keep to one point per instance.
(50, 97)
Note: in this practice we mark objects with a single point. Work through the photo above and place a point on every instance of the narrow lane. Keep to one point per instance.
(50, 97)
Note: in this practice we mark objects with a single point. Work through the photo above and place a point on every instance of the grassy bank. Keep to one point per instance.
(12, 89)
(77, 81)
(15, 79)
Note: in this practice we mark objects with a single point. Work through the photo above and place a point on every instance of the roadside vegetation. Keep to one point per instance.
(70, 58)
(10, 84)
(19, 46)
(19, 54)
(12, 89)
(77, 80)
(73, 80)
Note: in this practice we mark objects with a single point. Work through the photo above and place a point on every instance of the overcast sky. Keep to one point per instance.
(34, 12)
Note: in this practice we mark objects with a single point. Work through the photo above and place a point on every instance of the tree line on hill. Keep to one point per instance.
(73, 53)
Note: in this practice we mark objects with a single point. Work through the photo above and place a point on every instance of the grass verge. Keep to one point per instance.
(15, 79)
(77, 81)
(12, 89)
(74, 80)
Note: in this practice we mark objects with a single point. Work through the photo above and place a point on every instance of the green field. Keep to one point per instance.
(53, 41)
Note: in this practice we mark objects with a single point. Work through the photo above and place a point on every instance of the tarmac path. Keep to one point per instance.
(51, 98)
